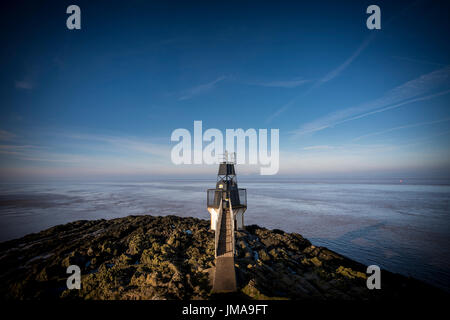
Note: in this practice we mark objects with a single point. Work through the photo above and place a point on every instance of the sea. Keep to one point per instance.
(400, 225)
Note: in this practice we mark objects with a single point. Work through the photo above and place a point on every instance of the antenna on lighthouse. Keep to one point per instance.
(227, 157)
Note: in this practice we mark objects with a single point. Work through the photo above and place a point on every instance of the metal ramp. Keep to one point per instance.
(224, 275)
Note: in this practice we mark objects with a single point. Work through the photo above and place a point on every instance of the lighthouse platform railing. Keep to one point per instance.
(214, 197)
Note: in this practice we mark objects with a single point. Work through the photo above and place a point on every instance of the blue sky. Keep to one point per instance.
(102, 102)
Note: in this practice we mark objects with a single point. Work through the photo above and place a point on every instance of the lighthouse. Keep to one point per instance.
(226, 205)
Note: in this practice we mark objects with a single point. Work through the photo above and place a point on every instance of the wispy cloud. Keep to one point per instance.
(419, 61)
(427, 139)
(414, 125)
(339, 158)
(34, 153)
(118, 143)
(6, 135)
(427, 97)
(404, 94)
(343, 66)
(281, 110)
(328, 77)
(322, 147)
(10, 149)
(91, 149)
(339, 69)
(24, 84)
(200, 89)
(281, 83)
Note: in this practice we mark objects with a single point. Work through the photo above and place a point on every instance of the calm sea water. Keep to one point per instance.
(402, 227)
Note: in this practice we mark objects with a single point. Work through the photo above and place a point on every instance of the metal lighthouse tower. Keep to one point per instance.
(226, 204)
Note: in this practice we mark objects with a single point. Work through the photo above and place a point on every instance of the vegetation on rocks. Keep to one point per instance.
(150, 257)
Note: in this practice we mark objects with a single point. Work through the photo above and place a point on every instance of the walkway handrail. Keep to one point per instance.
(217, 233)
(232, 227)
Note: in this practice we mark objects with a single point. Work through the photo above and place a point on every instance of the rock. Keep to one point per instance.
(148, 257)
(42, 276)
(263, 255)
(349, 273)
(316, 262)
(136, 244)
(152, 279)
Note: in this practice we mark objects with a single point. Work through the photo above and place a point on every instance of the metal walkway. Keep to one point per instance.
(224, 275)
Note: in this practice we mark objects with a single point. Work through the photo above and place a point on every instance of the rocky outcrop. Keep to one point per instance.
(149, 257)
